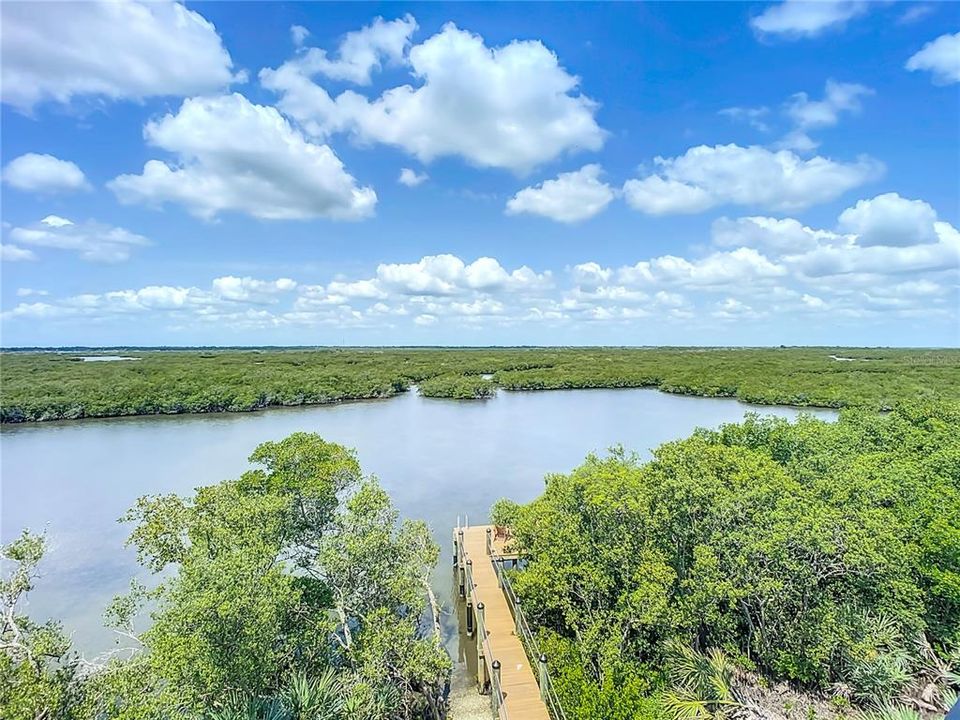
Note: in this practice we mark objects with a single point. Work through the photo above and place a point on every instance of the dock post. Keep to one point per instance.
(469, 595)
(544, 679)
(496, 687)
(463, 571)
(482, 678)
(517, 619)
(455, 552)
(489, 541)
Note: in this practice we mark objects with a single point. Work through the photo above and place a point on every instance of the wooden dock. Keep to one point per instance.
(503, 669)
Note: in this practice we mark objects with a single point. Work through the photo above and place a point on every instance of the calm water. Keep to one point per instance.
(437, 458)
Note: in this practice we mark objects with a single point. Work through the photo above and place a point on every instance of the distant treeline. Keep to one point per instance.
(57, 385)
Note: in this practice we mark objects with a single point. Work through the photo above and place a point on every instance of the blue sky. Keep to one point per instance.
(297, 173)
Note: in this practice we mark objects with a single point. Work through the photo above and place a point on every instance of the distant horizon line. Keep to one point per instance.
(75, 348)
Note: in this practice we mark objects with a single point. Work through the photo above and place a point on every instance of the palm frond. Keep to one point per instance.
(703, 683)
(890, 712)
(315, 698)
(721, 675)
(689, 669)
(949, 698)
(241, 706)
(684, 705)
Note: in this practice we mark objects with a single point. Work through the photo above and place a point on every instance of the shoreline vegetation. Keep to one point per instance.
(59, 385)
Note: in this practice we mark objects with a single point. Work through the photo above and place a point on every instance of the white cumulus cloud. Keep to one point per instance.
(941, 57)
(890, 220)
(93, 241)
(248, 289)
(365, 289)
(591, 274)
(411, 178)
(12, 253)
(44, 173)
(733, 309)
(448, 274)
(717, 269)
(235, 155)
(753, 116)
(884, 236)
(511, 107)
(806, 18)
(810, 114)
(785, 235)
(570, 197)
(299, 34)
(116, 50)
(705, 177)
(360, 52)
(850, 257)
(56, 221)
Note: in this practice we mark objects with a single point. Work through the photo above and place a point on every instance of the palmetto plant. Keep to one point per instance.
(374, 704)
(890, 712)
(323, 697)
(937, 678)
(238, 706)
(950, 699)
(877, 668)
(702, 684)
(315, 698)
(932, 688)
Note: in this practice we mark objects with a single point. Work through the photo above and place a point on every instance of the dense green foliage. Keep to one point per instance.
(48, 386)
(292, 593)
(458, 387)
(824, 554)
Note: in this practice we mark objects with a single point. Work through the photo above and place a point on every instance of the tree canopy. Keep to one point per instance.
(825, 554)
(293, 585)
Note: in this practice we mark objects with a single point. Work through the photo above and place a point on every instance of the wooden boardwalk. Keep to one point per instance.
(521, 698)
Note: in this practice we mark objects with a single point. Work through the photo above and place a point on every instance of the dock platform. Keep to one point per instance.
(503, 667)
